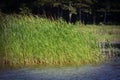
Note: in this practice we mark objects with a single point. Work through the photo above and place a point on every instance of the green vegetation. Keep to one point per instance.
(103, 32)
(30, 40)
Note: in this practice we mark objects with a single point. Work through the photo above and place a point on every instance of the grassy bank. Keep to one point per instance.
(29, 40)
(103, 32)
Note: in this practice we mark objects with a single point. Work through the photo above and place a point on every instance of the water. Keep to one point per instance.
(108, 71)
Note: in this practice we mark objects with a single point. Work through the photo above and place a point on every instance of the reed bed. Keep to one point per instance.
(102, 32)
(31, 40)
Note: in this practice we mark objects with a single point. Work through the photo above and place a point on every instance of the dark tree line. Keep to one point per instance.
(84, 11)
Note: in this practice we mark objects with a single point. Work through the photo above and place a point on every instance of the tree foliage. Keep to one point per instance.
(72, 7)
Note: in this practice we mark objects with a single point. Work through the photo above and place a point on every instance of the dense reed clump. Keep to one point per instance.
(28, 40)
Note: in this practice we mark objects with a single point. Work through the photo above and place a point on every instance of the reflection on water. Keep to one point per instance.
(100, 72)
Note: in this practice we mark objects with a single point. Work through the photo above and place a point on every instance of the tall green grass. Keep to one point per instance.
(103, 32)
(28, 40)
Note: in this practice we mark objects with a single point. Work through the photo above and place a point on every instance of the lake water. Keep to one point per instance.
(108, 71)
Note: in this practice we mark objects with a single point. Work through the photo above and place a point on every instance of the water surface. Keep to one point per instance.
(108, 71)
